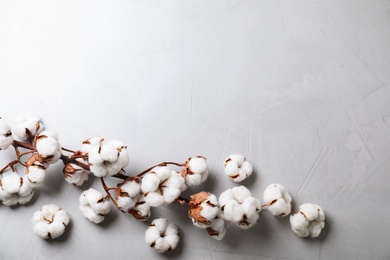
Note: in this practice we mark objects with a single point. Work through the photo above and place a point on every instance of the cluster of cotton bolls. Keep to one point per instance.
(45, 150)
(137, 195)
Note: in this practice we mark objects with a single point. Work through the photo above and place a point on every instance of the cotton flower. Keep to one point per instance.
(48, 147)
(75, 174)
(203, 209)
(141, 210)
(14, 189)
(6, 138)
(93, 205)
(127, 193)
(26, 126)
(195, 171)
(161, 186)
(309, 221)
(237, 167)
(107, 158)
(238, 206)
(161, 235)
(50, 221)
(278, 200)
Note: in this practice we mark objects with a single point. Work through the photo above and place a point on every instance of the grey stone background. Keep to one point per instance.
(301, 87)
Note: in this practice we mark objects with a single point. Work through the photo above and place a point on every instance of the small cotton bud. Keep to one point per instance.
(26, 126)
(6, 138)
(93, 205)
(309, 221)
(195, 171)
(203, 208)
(162, 236)
(237, 167)
(50, 221)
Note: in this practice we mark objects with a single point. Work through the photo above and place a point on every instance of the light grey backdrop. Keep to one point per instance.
(300, 87)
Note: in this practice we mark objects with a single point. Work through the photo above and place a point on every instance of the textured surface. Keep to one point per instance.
(299, 87)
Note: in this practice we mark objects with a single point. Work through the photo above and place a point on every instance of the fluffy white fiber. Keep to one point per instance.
(93, 206)
(196, 171)
(237, 167)
(107, 158)
(50, 221)
(278, 200)
(162, 235)
(238, 206)
(309, 221)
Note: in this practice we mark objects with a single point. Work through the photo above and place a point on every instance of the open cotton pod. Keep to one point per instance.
(162, 235)
(50, 221)
(309, 221)
(278, 200)
(237, 167)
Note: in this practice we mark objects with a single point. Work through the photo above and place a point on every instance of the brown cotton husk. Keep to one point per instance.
(194, 211)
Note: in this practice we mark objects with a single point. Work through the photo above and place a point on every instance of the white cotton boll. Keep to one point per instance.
(93, 206)
(240, 193)
(150, 182)
(197, 164)
(218, 229)
(50, 221)
(162, 236)
(309, 221)
(35, 174)
(27, 125)
(48, 147)
(11, 182)
(278, 200)
(237, 168)
(196, 170)
(233, 211)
